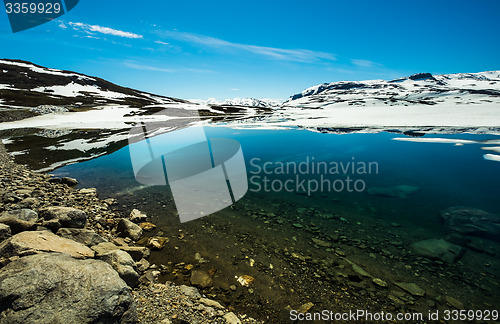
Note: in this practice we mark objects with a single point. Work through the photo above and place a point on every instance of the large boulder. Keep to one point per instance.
(81, 235)
(56, 217)
(471, 221)
(128, 229)
(103, 248)
(438, 249)
(26, 243)
(123, 263)
(55, 288)
(19, 219)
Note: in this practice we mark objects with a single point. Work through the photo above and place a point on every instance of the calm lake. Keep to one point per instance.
(317, 199)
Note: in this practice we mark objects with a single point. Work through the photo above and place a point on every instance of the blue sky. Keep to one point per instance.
(261, 49)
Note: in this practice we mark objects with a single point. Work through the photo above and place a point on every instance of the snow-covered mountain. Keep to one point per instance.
(243, 102)
(24, 84)
(418, 89)
(451, 103)
(67, 117)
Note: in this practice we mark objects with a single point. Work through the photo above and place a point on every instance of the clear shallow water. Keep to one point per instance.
(446, 174)
(374, 230)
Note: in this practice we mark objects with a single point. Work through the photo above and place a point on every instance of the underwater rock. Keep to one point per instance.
(379, 282)
(146, 226)
(157, 243)
(128, 229)
(401, 191)
(438, 249)
(412, 288)
(88, 191)
(471, 221)
(69, 181)
(245, 280)
(453, 302)
(137, 216)
(321, 243)
(201, 279)
(305, 307)
(199, 258)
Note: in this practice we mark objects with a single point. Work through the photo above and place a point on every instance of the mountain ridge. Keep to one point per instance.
(419, 88)
(26, 84)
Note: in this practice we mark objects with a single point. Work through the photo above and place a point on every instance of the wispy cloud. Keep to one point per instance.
(364, 63)
(137, 66)
(100, 29)
(162, 43)
(296, 55)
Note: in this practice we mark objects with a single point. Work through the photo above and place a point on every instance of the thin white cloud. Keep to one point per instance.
(136, 66)
(364, 63)
(100, 29)
(235, 89)
(296, 55)
(162, 43)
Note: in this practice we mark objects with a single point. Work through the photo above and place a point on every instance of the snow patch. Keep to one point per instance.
(492, 157)
(434, 140)
(45, 70)
(74, 89)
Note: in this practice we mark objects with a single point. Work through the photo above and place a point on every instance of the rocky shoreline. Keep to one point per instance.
(68, 256)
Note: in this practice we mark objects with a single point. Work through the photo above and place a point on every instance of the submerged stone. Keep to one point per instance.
(157, 243)
(412, 288)
(379, 282)
(453, 302)
(438, 250)
(401, 191)
(245, 280)
(471, 221)
(321, 242)
(201, 279)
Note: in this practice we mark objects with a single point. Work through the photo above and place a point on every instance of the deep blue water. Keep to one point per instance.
(445, 174)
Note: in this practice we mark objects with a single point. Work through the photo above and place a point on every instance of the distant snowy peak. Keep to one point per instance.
(24, 84)
(420, 88)
(244, 102)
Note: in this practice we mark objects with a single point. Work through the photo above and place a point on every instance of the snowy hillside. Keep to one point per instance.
(418, 89)
(24, 84)
(463, 102)
(244, 102)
